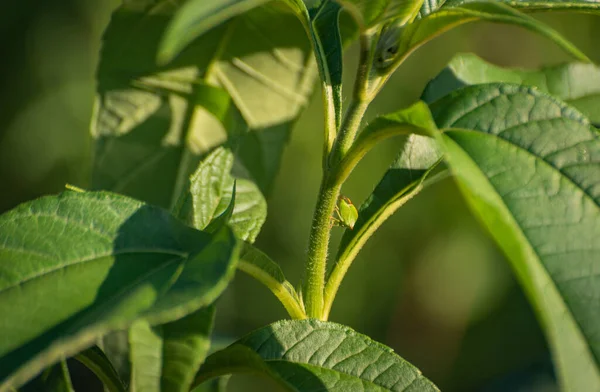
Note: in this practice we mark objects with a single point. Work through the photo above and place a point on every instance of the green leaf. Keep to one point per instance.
(76, 266)
(195, 18)
(371, 12)
(166, 357)
(152, 122)
(577, 84)
(145, 342)
(309, 355)
(223, 218)
(529, 166)
(210, 195)
(402, 44)
(260, 266)
(115, 345)
(403, 180)
(327, 44)
(95, 360)
(525, 5)
(185, 346)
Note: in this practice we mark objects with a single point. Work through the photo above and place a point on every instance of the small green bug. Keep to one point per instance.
(346, 212)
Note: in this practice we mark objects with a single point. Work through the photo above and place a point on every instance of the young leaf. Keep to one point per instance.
(260, 266)
(309, 355)
(185, 346)
(405, 178)
(210, 195)
(224, 217)
(77, 266)
(423, 30)
(145, 342)
(166, 357)
(151, 122)
(577, 84)
(529, 166)
(95, 360)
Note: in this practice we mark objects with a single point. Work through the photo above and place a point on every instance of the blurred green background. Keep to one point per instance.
(430, 283)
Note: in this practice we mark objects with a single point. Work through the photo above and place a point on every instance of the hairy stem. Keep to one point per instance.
(287, 299)
(329, 192)
(320, 233)
(359, 104)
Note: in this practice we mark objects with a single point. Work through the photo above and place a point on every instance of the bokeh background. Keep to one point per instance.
(430, 283)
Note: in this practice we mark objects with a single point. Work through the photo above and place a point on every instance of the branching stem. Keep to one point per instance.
(329, 192)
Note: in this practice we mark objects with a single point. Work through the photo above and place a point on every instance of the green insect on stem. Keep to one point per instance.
(347, 214)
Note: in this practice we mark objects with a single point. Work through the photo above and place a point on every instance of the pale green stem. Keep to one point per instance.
(291, 304)
(66, 375)
(330, 123)
(348, 132)
(359, 104)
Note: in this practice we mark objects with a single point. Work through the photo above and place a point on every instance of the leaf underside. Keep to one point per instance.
(529, 165)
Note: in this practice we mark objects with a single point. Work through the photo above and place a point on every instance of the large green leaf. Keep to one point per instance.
(529, 166)
(527, 5)
(151, 122)
(400, 44)
(312, 355)
(210, 195)
(577, 84)
(77, 266)
(405, 178)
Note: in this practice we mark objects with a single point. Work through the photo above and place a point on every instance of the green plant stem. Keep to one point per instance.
(359, 104)
(354, 115)
(318, 249)
(320, 233)
(284, 296)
